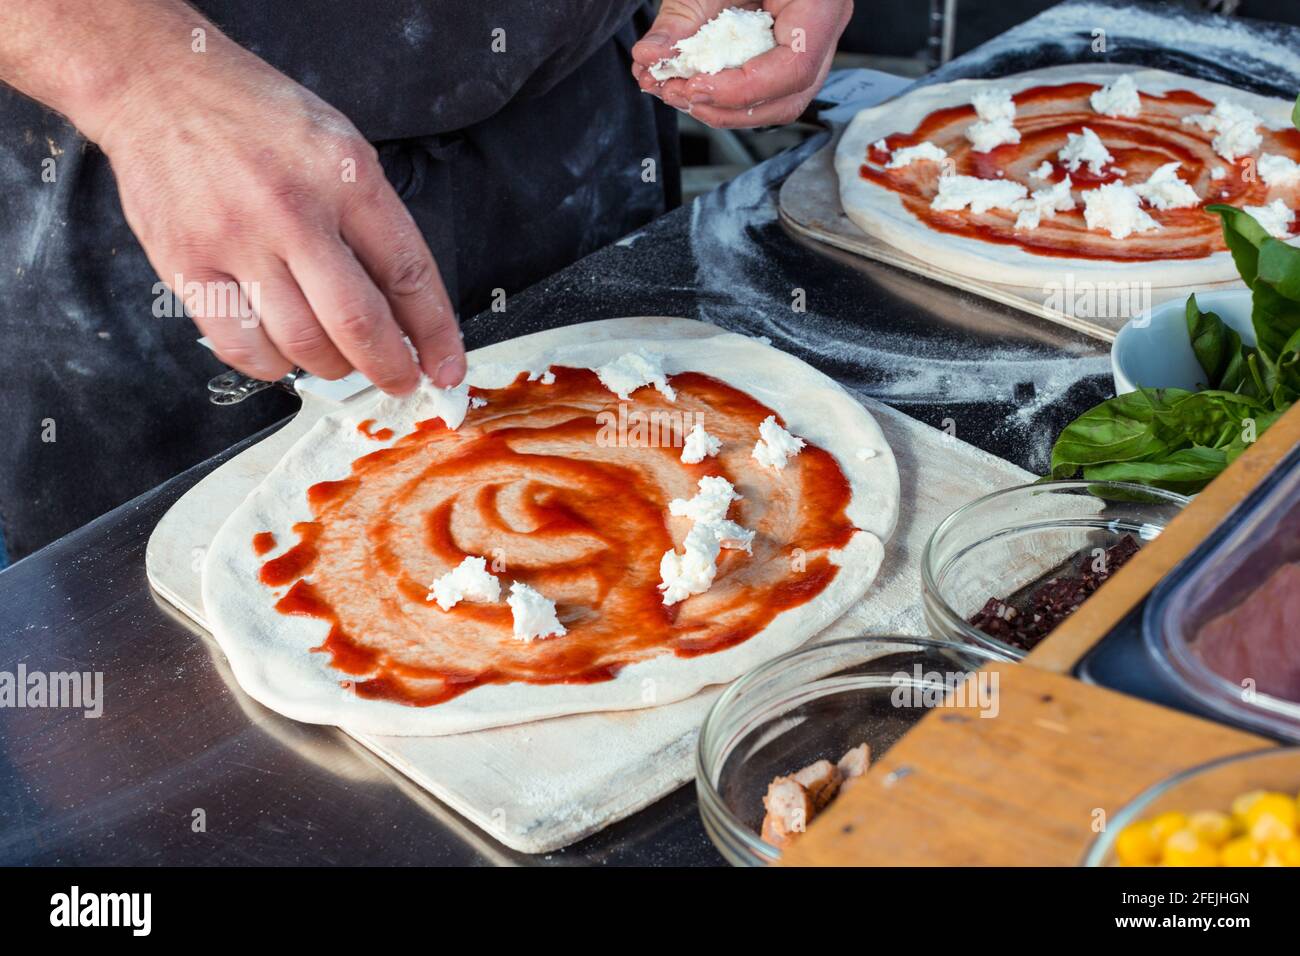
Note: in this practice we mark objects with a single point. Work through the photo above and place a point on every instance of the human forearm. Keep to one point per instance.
(84, 59)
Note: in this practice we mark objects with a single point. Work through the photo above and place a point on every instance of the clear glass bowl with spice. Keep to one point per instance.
(1003, 571)
(795, 727)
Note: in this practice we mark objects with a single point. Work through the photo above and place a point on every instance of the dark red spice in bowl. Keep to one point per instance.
(1024, 619)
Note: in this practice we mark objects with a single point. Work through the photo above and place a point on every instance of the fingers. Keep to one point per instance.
(776, 113)
(353, 311)
(389, 245)
(778, 72)
(222, 311)
(288, 322)
(677, 20)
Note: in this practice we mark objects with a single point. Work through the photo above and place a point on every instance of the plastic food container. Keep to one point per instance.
(814, 703)
(1224, 626)
(1000, 544)
(1210, 786)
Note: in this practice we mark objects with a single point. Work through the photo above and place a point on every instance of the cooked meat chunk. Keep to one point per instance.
(822, 781)
(792, 802)
(789, 808)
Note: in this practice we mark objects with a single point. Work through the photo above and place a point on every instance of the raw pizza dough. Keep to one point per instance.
(881, 213)
(270, 654)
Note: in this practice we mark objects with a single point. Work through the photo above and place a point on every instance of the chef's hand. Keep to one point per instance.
(772, 88)
(230, 171)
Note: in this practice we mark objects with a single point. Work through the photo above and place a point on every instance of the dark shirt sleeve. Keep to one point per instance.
(406, 68)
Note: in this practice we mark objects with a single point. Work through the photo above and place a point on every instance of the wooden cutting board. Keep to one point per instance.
(810, 205)
(540, 786)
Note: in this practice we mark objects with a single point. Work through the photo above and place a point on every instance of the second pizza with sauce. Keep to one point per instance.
(1022, 179)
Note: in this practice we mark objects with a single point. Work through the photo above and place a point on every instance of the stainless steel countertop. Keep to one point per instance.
(178, 741)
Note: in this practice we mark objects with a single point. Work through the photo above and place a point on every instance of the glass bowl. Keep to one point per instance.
(1210, 786)
(1006, 541)
(813, 703)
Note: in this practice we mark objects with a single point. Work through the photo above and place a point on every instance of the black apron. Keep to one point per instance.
(513, 164)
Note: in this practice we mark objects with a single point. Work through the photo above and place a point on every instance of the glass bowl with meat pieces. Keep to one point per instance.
(786, 740)
(1005, 570)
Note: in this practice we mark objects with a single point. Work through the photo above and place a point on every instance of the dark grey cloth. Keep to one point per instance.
(513, 164)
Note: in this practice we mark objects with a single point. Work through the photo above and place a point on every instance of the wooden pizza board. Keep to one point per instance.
(810, 205)
(540, 786)
(1029, 787)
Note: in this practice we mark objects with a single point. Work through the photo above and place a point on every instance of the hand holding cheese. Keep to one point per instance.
(766, 89)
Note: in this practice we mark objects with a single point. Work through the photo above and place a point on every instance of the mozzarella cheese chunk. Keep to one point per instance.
(881, 145)
(1117, 209)
(699, 445)
(731, 38)
(468, 581)
(1085, 147)
(775, 445)
(693, 570)
(1119, 98)
(910, 154)
(533, 613)
(710, 503)
(1043, 202)
(1164, 190)
(1237, 129)
(1278, 170)
(981, 195)
(1043, 172)
(1217, 173)
(633, 370)
(866, 454)
(1276, 218)
(994, 128)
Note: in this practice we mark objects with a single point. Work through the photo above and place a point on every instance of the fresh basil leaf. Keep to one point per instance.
(1295, 114)
(1123, 428)
(1187, 470)
(1279, 266)
(1274, 316)
(1215, 344)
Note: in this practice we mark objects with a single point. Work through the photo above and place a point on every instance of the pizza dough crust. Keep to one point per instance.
(881, 213)
(270, 654)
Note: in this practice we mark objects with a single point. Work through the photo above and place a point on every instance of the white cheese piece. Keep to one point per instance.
(1237, 128)
(866, 454)
(1164, 190)
(1043, 172)
(699, 445)
(449, 404)
(710, 503)
(1119, 98)
(1085, 147)
(1276, 218)
(1043, 202)
(533, 613)
(1217, 173)
(633, 370)
(468, 581)
(910, 154)
(994, 128)
(545, 376)
(693, 570)
(1117, 209)
(1278, 170)
(881, 145)
(731, 38)
(775, 445)
(477, 401)
(981, 195)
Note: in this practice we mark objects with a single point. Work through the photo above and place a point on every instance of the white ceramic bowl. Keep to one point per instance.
(1152, 350)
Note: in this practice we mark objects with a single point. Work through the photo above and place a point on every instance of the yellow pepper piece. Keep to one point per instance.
(1282, 853)
(1185, 848)
(1242, 851)
(1213, 827)
(1244, 803)
(1167, 824)
(1136, 845)
(1271, 817)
